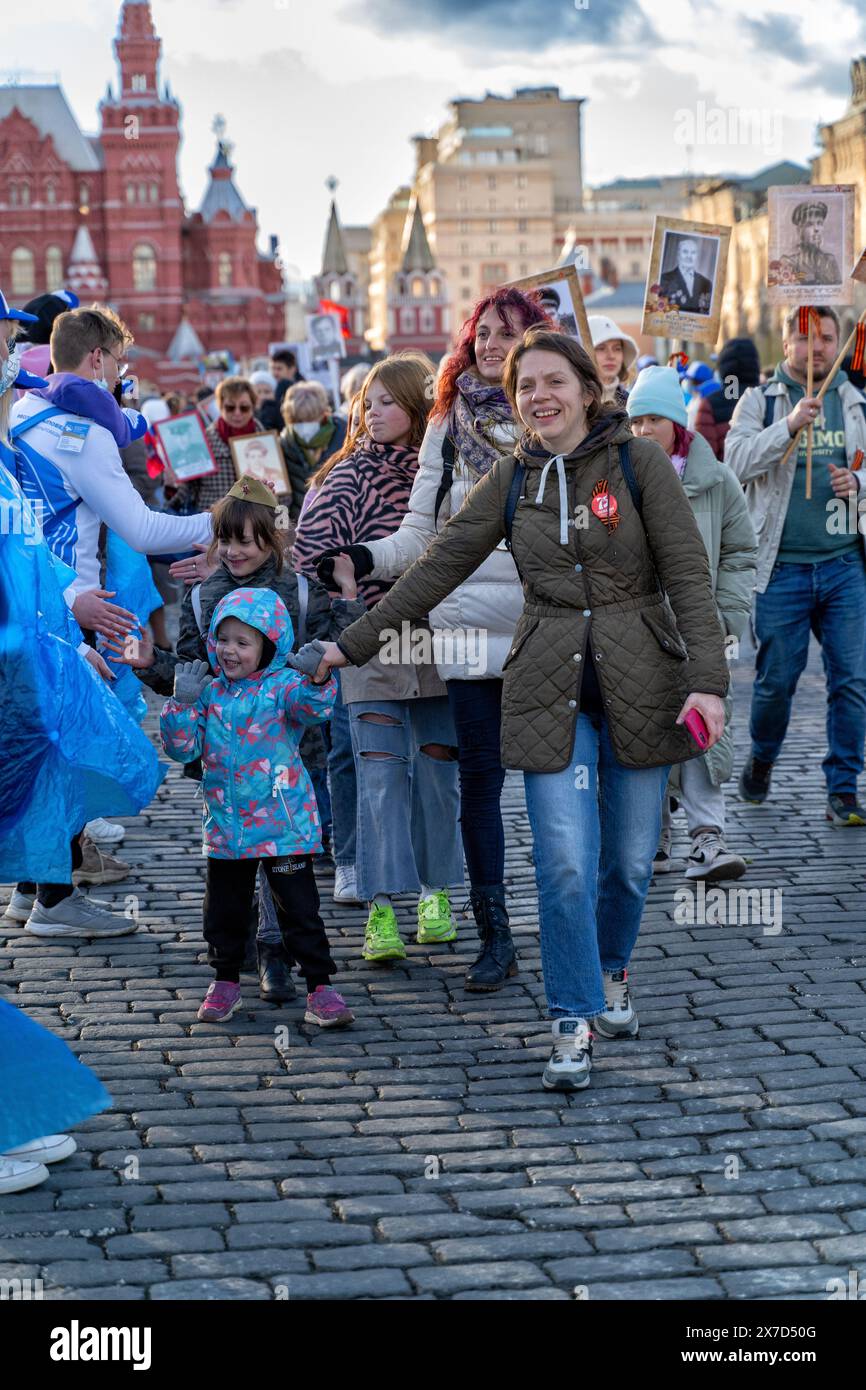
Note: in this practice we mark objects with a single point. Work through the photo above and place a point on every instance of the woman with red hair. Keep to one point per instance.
(471, 426)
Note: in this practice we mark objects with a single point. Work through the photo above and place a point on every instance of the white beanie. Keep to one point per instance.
(262, 378)
(602, 330)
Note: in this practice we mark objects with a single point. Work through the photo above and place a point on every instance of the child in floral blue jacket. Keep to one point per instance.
(259, 805)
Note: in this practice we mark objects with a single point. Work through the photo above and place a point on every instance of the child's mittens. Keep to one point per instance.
(308, 658)
(190, 679)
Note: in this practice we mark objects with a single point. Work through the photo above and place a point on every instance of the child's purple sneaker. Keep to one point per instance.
(220, 1002)
(327, 1008)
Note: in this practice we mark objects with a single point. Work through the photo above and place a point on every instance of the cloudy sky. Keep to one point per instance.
(311, 88)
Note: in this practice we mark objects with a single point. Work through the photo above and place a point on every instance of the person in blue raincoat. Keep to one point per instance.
(70, 750)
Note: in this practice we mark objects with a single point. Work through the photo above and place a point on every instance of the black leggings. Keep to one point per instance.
(227, 902)
(50, 894)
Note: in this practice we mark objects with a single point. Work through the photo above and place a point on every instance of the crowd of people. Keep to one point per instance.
(527, 558)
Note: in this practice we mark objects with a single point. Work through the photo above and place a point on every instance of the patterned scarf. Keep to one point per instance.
(478, 408)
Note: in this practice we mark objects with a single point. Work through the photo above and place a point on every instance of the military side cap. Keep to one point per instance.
(248, 489)
(808, 210)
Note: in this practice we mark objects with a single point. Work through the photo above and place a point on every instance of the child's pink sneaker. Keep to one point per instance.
(220, 1002)
(327, 1008)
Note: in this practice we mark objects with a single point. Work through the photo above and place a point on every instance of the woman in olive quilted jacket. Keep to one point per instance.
(618, 641)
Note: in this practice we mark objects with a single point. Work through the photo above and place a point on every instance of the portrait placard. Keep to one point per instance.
(686, 280)
(810, 243)
(261, 456)
(561, 297)
(185, 446)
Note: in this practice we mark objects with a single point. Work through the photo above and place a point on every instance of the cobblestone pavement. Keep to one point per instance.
(722, 1155)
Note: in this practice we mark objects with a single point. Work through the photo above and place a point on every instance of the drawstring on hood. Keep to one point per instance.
(563, 494)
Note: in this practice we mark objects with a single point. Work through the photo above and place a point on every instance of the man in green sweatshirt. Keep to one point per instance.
(811, 576)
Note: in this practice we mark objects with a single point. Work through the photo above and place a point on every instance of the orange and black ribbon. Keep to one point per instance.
(678, 359)
(607, 511)
(857, 461)
(857, 356)
(806, 313)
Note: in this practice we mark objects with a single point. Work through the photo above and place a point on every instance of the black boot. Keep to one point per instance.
(497, 959)
(275, 973)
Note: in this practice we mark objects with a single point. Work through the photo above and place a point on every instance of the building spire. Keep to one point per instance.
(334, 260)
(418, 255)
(84, 274)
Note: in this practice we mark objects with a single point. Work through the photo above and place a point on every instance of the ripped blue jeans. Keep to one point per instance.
(408, 824)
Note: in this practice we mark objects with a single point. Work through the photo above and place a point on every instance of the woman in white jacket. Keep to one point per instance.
(471, 426)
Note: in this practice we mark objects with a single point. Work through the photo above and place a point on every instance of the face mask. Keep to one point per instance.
(11, 368)
(307, 429)
(100, 381)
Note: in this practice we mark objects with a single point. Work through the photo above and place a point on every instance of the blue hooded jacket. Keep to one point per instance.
(259, 801)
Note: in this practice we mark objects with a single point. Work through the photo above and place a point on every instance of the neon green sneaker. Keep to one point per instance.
(434, 919)
(381, 937)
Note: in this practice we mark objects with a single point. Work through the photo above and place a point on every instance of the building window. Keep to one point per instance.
(464, 248)
(494, 273)
(435, 286)
(521, 203)
(491, 204)
(418, 288)
(139, 82)
(13, 195)
(347, 289)
(407, 320)
(522, 224)
(427, 320)
(53, 268)
(523, 248)
(51, 192)
(25, 194)
(635, 269)
(334, 291)
(466, 292)
(130, 192)
(493, 248)
(463, 205)
(23, 279)
(464, 227)
(492, 225)
(224, 269)
(521, 180)
(524, 268)
(465, 271)
(143, 267)
(146, 323)
(491, 180)
(154, 192)
(462, 181)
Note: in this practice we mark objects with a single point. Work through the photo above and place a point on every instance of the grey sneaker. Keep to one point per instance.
(619, 1019)
(844, 809)
(711, 859)
(345, 887)
(78, 916)
(662, 861)
(571, 1059)
(20, 906)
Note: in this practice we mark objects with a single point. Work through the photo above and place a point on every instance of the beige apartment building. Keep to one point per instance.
(498, 187)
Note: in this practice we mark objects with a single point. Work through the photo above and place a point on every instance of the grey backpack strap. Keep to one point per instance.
(303, 601)
(195, 600)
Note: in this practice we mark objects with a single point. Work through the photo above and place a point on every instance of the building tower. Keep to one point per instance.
(143, 208)
(417, 300)
(337, 282)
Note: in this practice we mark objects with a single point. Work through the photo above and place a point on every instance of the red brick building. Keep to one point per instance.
(160, 267)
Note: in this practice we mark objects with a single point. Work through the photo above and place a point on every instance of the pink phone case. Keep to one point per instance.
(694, 722)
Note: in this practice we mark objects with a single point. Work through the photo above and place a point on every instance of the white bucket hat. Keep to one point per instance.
(602, 329)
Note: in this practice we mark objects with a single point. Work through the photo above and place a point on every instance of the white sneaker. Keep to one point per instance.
(662, 861)
(571, 1059)
(105, 832)
(16, 1175)
(20, 906)
(52, 1148)
(345, 887)
(78, 916)
(619, 1019)
(711, 859)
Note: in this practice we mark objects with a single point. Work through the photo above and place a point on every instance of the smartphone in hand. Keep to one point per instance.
(694, 722)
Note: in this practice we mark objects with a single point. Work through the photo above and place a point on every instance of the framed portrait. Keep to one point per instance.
(325, 337)
(261, 456)
(686, 280)
(559, 292)
(810, 243)
(185, 446)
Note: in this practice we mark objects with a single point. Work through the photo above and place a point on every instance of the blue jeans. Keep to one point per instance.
(476, 708)
(408, 804)
(829, 599)
(595, 828)
(341, 780)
